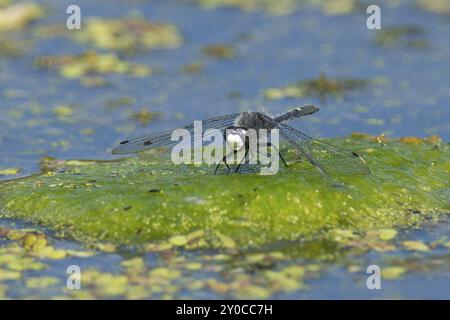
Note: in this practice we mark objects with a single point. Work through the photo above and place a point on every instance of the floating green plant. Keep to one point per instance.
(11, 48)
(192, 68)
(119, 102)
(435, 6)
(91, 63)
(220, 51)
(406, 36)
(129, 34)
(116, 201)
(321, 87)
(9, 171)
(17, 16)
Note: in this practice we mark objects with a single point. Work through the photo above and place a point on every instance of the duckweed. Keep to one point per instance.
(9, 171)
(220, 51)
(406, 36)
(17, 16)
(282, 7)
(435, 6)
(89, 63)
(392, 273)
(321, 87)
(415, 245)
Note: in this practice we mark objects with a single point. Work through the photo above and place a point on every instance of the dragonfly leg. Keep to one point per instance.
(224, 160)
(279, 153)
(240, 163)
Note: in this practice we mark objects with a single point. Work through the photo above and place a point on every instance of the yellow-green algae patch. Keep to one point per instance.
(144, 116)
(10, 47)
(410, 36)
(9, 171)
(435, 6)
(231, 273)
(220, 51)
(92, 63)
(321, 87)
(129, 34)
(126, 35)
(16, 16)
(144, 201)
(283, 7)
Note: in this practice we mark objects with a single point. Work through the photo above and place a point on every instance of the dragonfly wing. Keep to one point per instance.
(326, 156)
(164, 139)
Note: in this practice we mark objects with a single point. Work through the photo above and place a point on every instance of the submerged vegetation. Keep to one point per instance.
(283, 7)
(435, 6)
(129, 34)
(144, 228)
(144, 116)
(321, 87)
(406, 36)
(249, 239)
(16, 16)
(220, 51)
(10, 48)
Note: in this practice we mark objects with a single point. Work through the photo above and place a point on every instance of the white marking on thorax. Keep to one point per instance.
(235, 141)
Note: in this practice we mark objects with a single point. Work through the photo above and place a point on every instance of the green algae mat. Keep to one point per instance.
(142, 201)
(181, 232)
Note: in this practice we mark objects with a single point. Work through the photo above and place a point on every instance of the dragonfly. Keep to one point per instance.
(324, 156)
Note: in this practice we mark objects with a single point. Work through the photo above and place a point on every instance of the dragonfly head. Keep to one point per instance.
(235, 137)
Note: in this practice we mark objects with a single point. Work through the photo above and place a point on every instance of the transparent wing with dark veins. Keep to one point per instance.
(164, 139)
(327, 157)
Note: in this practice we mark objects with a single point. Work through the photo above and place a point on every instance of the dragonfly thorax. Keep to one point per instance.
(235, 137)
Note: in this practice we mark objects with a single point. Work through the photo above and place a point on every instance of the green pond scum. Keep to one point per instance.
(321, 87)
(410, 36)
(255, 236)
(283, 7)
(128, 35)
(15, 15)
(91, 63)
(116, 201)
